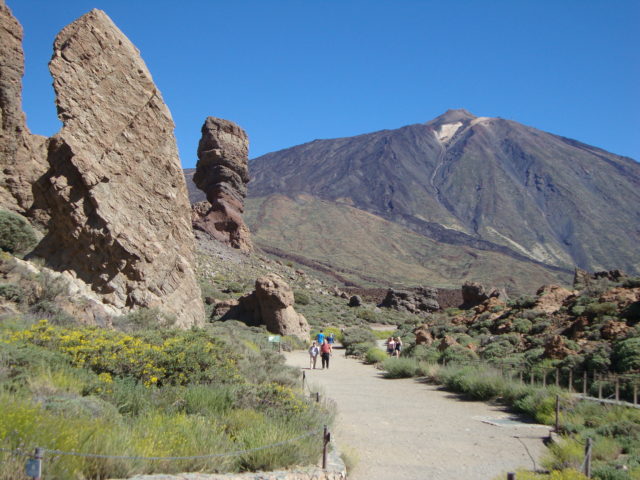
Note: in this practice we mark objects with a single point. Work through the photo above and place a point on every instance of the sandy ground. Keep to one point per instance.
(406, 430)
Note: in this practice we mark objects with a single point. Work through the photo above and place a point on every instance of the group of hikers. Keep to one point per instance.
(323, 346)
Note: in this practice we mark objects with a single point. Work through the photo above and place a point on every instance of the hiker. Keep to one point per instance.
(331, 339)
(398, 348)
(391, 346)
(313, 355)
(320, 337)
(325, 351)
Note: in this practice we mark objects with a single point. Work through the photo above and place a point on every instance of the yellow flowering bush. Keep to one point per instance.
(183, 357)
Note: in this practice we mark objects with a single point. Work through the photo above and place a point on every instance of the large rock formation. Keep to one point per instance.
(474, 294)
(22, 155)
(422, 300)
(222, 173)
(270, 304)
(115, 190)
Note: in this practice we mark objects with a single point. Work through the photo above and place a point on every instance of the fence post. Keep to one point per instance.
(521, 378)
(34, 467)
(557, 429)
(317, 397)
(587, 458)
(635, 393)
(617, 388)
(511, 476)
(571, 380)
(304, 378)
(557, 377)
(584, 383)
(326, 437)
(599, 377)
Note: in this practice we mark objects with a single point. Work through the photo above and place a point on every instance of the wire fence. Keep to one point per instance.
(589, 384)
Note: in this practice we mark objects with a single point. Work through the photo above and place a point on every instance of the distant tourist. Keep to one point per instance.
(325, 351)
(331, 339)
(320, 337)
(391, 346)
(398, 347)
(314, 351)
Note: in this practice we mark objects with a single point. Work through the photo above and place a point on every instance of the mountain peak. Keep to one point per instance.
(453, 116)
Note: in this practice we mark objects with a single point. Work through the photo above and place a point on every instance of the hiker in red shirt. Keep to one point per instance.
(325, 351)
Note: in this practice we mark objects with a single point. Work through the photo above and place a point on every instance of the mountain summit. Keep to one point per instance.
(489, 183)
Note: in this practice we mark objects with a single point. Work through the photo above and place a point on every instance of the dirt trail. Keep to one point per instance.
(407, 430)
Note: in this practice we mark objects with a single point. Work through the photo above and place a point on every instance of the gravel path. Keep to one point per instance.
(407, 430)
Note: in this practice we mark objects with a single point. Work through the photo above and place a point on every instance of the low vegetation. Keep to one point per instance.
(150, 393)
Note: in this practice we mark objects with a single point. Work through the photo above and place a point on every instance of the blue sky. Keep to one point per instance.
(291, 71)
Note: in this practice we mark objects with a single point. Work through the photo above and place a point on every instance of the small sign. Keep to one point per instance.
(274, 338)
(33, 468)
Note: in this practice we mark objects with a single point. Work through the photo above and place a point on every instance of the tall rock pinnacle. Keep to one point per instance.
(22, 155)
(222, 173)
(115, 190)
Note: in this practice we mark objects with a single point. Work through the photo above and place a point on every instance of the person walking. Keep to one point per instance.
(325, 352)
(398, 347)
(391, 347)
(313, 355)
(320, 338)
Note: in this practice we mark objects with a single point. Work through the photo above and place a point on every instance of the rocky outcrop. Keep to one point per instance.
(551, 298)
(222, 173)
(270, 304)
(355, 301)
(583, 278)
(423, 335)
(115, 190)
(556, 348)
(422, 300)
(22, 155)
(474, 294)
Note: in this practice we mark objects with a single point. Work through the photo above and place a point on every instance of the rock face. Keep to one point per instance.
(551, 298)
(583, 278)
(271, 304)
(222, 173)
(22, 155)
(115, 190)
(421, 301)
(474, 294)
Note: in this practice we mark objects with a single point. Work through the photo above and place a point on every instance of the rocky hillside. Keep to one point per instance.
(487, 183)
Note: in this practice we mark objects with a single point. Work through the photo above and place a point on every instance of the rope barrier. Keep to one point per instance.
(191, 457)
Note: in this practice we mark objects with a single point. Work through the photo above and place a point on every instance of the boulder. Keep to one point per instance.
(355, 301)
(474, 293)
(555, 348)
(583, 278)
(423, 335)
(115, 191)
(446, 342)
(222, 173)
(551, 298)
(613, 330)
(423, 300)
(271, 304)
(22, 155)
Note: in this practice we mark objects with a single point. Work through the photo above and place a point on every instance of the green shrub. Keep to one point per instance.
(567, 453)
(11, 292)
(609, 472)
(357, 335)
(522, 325)
(626, 355)
(458, 353)
(522, 303)
(632, 312)
(424, 353)
(358, 349)
(375, 355)
(633, 282)
(301, 298)
(601, 309)
(400, 367)
(16, 235)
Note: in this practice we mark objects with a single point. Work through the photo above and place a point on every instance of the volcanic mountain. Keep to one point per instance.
(487, 183)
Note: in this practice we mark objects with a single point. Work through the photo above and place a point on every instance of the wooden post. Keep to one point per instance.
(557, 377)
(511, 476)
(38, 457)
(304, 377)
(326, 437)
(617, 388)
(317, 397)
(599, 386)
(584, 383)
(635, 393)
(587, 458)
(571, 380)
(544, 379)
(521, 378)
(557, 429)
